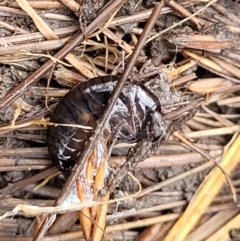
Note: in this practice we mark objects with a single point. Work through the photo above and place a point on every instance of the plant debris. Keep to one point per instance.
(48, 47)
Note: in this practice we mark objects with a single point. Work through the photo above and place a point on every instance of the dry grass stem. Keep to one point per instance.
(204, 196)
(71, 4)
(41, 25)
(37, 4)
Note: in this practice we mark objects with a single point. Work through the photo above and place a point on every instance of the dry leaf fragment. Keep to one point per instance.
(209, 85)
(195, 41)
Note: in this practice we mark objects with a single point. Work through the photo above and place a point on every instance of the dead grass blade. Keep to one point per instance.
(41, 25)
(205, 194)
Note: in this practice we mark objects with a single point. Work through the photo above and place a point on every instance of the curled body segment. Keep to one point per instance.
(130, 118)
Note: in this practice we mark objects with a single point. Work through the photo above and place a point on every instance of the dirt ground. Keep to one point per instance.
(198, 57)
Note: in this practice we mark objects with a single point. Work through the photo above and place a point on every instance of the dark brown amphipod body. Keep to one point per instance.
(130, 118)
